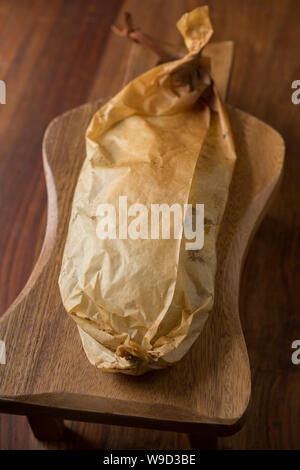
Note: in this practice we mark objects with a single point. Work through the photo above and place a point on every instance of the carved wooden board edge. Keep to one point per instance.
(87, 408)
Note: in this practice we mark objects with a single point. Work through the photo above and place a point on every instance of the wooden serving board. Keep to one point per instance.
(46, 370)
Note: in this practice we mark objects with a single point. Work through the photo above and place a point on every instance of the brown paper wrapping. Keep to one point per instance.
(165, 138)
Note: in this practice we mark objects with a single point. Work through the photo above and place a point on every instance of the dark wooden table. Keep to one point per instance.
(59, 54)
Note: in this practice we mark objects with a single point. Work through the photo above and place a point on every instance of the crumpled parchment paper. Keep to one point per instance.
(165, 138)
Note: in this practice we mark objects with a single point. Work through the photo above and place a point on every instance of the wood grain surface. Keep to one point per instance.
(61, 42)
